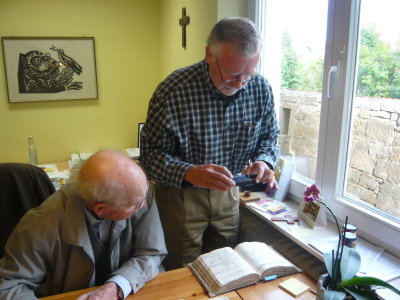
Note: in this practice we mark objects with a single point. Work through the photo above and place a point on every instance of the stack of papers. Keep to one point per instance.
(84, 156)
(51, 170)
(77, 159)
(387, 267)
(57, 178)
(374, 260)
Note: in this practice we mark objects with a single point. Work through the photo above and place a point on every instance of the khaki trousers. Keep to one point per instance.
(196, 221)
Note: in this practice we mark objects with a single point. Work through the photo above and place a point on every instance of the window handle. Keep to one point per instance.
(332, 69)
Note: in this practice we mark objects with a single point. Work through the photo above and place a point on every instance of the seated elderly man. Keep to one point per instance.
(102, 229)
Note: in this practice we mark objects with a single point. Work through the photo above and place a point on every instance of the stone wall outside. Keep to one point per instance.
(374, 165)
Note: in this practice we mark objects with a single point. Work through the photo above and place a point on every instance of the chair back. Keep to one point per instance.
(22, 187)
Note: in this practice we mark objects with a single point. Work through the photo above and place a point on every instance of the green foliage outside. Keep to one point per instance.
(378, 68)
(293, 70)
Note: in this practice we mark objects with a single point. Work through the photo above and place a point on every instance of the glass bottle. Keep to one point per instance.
(32, 151)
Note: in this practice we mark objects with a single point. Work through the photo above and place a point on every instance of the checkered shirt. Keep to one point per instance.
(189, 122)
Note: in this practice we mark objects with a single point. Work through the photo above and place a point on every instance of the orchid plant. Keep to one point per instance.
(344, 263)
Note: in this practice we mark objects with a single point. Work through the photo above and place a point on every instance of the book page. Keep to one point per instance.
(225, 265)
(265, 260)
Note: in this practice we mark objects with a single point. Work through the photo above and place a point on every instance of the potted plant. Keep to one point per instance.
(342, 266)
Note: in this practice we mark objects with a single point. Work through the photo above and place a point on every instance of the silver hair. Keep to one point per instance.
(240, 32)
(108, 190)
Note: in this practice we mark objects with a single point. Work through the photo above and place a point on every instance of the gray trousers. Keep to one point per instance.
(196, 221)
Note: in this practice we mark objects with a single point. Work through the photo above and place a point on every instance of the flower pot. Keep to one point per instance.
(322, 284)
(322, 287)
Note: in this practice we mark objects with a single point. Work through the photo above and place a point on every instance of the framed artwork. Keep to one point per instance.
(50, 68)
(308, 212)
(140, 126)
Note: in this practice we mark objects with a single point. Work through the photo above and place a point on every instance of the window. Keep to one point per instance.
(373, 171)
(337, 89)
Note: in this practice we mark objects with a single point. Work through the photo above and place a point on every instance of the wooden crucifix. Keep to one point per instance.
(183, 22)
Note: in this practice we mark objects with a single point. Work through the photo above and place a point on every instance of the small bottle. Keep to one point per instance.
(32, 151)
(349, 239)
(350, 228)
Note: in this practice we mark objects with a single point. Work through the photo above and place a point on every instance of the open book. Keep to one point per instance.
(228, 269)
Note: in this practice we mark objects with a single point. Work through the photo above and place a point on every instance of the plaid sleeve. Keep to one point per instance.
(157, 144)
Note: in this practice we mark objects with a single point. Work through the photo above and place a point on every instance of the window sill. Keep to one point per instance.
(302, 234)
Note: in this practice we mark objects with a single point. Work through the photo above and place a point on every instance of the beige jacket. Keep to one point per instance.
(50, 252)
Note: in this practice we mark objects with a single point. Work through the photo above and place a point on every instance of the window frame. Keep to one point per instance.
(342, 40)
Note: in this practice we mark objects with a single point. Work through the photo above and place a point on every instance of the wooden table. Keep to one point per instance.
(181, 284)
(175, 284)
(270, 290)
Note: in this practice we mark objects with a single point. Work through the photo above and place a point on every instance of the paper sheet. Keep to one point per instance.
(387, 267)
(51, 170)
(370, 254)
(301, 231)
(133, 152)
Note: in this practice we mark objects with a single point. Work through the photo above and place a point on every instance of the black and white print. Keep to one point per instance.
(41, 69)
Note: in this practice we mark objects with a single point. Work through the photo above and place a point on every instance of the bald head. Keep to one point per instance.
(111, 177)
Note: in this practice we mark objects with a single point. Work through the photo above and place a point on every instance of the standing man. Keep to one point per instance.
(101, 230)
(205, 123)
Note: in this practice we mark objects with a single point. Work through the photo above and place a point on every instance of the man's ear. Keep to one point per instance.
(98, 209)
(209, 55)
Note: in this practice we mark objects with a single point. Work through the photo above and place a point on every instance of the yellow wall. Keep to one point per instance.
(127, 55)
(138, 43)
(203, 15)
(233, 8)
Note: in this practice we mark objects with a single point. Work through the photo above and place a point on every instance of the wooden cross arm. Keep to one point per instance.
(184, 21)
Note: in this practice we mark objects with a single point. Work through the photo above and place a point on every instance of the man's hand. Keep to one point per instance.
(210, 176)
(264, 174)
(108, 291)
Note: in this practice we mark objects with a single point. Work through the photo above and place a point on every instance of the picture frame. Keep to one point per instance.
(50, 68)
(283, 174)
(140, 126)
(309, 212)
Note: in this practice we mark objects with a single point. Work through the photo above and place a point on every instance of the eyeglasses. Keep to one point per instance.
(140, 205)
(232, 80)
(135, 208)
